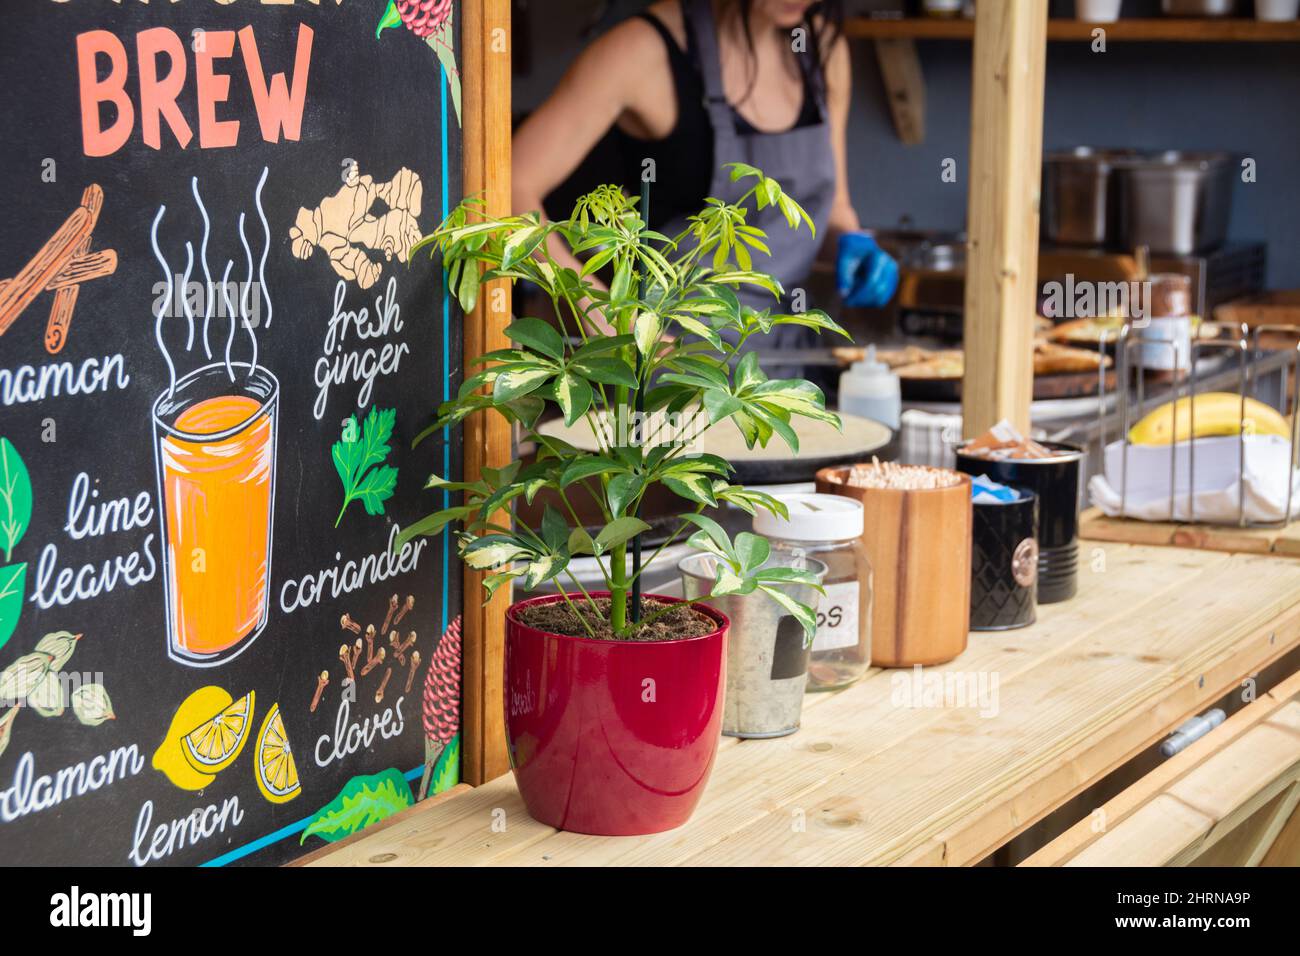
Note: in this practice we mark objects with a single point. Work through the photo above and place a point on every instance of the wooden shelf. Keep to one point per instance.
(1153, 636)
(1168, 29)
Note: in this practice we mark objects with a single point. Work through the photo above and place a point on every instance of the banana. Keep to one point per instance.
(1217, 413)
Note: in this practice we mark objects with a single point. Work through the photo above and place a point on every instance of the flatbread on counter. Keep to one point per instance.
(816, 439)
(1049, 359)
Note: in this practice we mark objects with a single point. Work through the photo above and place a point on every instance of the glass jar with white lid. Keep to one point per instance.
(829, 528)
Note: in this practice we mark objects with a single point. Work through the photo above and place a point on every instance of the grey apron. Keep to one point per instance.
(800, 159)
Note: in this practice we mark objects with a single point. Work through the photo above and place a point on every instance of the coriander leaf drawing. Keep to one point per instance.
(15, 498)
(358, 458)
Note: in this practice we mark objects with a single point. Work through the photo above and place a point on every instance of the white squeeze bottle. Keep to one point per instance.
(869, 389)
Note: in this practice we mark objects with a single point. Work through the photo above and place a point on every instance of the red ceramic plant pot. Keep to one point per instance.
(615, 738)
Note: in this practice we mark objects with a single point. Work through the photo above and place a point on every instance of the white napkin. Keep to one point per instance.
(1218, 481)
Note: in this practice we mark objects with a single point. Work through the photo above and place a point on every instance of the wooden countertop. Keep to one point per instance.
(1154, 635)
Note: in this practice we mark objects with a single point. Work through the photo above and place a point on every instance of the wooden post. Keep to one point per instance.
(1002, 221)
(485, 37)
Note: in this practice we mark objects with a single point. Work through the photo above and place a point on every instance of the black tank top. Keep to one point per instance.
(683, 159)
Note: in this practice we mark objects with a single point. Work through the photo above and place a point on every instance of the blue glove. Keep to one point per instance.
(866, 275)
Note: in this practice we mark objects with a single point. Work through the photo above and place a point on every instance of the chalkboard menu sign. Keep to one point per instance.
(216, 352)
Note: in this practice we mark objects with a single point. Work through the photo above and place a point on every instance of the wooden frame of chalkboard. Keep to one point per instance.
(487, 159)
(215, 352)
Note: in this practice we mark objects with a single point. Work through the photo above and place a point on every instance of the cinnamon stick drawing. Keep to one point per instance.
(60, 266)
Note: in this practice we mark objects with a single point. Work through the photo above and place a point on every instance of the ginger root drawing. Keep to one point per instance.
(353, 234)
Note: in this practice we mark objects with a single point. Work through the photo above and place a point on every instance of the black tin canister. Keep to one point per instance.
(1055, 481)
(1004, 563)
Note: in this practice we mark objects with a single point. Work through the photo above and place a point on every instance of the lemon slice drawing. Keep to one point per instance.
(277, 775)
(213, 745)
(170, 758)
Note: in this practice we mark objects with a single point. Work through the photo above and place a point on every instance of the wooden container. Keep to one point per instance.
(919, 543)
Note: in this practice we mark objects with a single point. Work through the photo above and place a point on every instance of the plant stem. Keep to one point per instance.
(618, 591)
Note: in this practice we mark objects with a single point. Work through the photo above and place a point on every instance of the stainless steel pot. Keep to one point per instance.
(1078, 199)
(767, 653)
(1175, 203)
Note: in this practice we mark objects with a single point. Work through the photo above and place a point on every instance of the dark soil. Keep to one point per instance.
(559, 618)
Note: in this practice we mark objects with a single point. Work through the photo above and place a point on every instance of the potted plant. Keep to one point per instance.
(612, 699)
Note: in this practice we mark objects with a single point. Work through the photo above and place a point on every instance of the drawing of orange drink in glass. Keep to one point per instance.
(215, 448)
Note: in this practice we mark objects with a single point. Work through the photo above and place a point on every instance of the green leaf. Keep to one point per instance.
(621, 284)
(749, 500)
(751, 550)
(493, 581)
(602, 344)
(356, 461)
(812, 319)
(492, 551)
(621, 491)
(609, 371)
(749, 277)
(713, 532)
(431, 525)
(729, 582)
(648, 330)
(15, 498)
(619, 531)
(517, 380)
(467, 289)
(580, 542)
(544, 568)
(538, 336)
(520, 245)
(720, 404)
(573, 395)
(696, 327)
(12, 581)
(801, 612)
(555, 530)
(587, 466)
(748, 373)
(695, 488)
(362, 801)
(789, 576)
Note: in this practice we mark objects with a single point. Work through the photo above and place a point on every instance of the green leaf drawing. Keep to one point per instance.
(15, 498)
(446, 772)
(356, 461)
(12, 580)
(362, 801)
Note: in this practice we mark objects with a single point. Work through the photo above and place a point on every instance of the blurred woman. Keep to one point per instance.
(690, 85)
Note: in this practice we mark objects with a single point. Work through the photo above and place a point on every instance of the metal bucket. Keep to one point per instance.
(767, 653)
